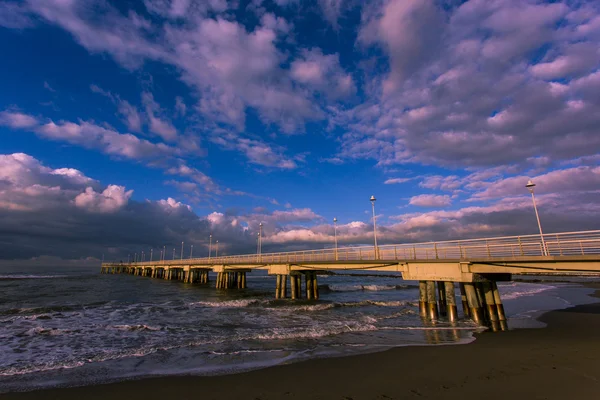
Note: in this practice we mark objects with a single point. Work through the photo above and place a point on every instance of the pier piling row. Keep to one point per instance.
(479, 298)
(480, 301)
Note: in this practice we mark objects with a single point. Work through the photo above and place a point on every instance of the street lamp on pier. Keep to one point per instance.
(142, 256)
(258, 246)
(335, 237)
(260, 234)
(173, 253)
(530, 185)
(209, 246)
(151, 251)
(217, 250)
(191, 251)
(164, 253)
(182, 250)
(373, 199)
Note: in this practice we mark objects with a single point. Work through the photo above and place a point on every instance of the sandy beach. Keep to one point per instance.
(557, 362)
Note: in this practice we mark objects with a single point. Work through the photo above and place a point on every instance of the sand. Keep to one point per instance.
(561, 361)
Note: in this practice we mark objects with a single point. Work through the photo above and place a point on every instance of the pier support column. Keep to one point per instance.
(451, 310)
(490, 306)
(423, 299)
(463, 298)
(283, 286)
(499, 307)
(432, 310)
(315, 286)
(474, 304)
(299, 286)
(441, 288)
(244, 286)
(278, 287)
(309, 285)
(481, 298)
(293, 287)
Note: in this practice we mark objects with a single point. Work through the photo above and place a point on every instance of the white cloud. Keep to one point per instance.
(89, 135)
(159, 125)
(112, 199)
(430, 200)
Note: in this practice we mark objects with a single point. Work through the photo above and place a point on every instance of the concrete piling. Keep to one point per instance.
(309, 285)
(491, 306)
(293, 287)
(499, 307)
(463, 298)
(481, 299)
(441, 288)
(423, 299)
(451, 310)
(278, 287)
(432, 310)
(474, 304)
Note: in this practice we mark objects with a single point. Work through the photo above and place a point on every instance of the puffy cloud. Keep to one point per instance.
(89, 135)
(17, 120)
(430, 200)
(112, 199)
(322, 72)
(410, 31)
(161, 126)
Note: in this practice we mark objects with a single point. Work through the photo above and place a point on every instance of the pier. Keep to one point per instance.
(475, 265)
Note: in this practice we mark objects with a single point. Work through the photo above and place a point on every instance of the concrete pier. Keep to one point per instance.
(451, 309)
(432, 310)
(423, 299)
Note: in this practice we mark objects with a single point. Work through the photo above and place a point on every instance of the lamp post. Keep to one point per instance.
(191, 251)
(181, 250)
(335, 237)
(173, 253)
(373, 199)
(217, 250)
(530, 185)
(164, 255)
(209, 246)
(258, 246)
(151, 251)
(143, 256)
(260, 238)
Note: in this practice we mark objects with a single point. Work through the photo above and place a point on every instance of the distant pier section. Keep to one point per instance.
(476, 265)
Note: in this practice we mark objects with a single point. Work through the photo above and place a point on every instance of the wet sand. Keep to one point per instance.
(561, 361)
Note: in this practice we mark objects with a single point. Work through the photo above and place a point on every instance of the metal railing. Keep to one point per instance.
(557, 244)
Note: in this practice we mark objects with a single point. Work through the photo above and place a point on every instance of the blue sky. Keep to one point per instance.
(138, 124)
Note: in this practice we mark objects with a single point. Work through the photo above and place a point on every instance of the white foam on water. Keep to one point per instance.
(515, 294)
(356, 288)
(228, 303)
(32, 276)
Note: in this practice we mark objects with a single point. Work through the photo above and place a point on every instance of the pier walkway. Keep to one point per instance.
(476, 264)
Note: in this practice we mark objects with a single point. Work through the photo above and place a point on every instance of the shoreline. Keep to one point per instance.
(555, 362)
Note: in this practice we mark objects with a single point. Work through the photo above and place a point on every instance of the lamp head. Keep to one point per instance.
(373, 199)
(334, 219)
(530, 185)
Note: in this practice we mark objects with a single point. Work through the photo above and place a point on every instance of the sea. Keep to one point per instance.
(73, 326)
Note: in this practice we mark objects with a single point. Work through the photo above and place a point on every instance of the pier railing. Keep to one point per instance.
(556, 244)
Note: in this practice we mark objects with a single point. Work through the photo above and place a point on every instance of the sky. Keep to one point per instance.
(131, 125)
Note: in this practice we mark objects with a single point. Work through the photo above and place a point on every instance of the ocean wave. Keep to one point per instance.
(356, 288)
(229, 303)
(38, 330)
(17, 277)
(135, 328)
(526, 292)
(38, 311)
